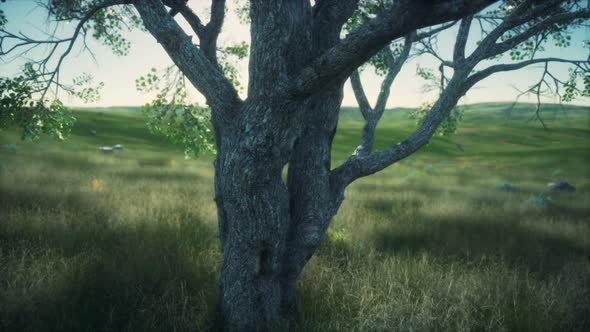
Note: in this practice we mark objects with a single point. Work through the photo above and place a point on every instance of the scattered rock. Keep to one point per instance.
(105, 149)
(505, 187)
(561, 187)
(117, 147)
(92, 133)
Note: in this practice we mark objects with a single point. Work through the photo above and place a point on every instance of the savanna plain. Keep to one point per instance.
(462, 236)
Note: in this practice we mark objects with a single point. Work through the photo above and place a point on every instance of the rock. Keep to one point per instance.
(92, 133)
(105, 149)
(117, 147)
(561, 187)
(505, 187)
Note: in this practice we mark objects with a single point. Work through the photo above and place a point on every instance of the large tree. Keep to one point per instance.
(298, 64)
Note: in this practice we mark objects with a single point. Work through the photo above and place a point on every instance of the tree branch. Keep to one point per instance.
(480, 75)
(362, 165)
(359, 93)
(48, 77)
(189, 15)
(462, 36)
(212, 31)
(203, 74)
(372, 116)
(217, 18)
(515, 19)
(365, 164)
(328, 18)
(208, 34)
(512, 42)
(489, 47)
(395, 66)
(337, 63)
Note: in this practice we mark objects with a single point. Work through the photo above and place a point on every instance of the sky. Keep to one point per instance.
(119, 73)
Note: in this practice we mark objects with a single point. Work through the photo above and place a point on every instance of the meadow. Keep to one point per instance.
(127, 241)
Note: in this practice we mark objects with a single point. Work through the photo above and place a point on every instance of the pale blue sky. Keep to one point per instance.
(119, 73)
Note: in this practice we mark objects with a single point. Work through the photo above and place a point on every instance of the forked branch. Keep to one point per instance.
(192, 61)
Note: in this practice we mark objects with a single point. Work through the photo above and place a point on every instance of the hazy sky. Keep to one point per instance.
(119, 73)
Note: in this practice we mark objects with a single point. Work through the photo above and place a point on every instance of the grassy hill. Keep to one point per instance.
(127, 241)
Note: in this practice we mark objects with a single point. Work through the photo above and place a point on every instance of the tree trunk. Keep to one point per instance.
(253, 212)
(269, 229)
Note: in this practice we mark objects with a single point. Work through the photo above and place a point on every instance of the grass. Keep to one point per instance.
(127, 242)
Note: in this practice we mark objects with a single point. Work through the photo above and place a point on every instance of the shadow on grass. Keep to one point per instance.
(159, 175)
(70, 160)
(475, 239)
(94, 273)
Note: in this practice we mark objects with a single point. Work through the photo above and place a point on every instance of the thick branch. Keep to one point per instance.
(212, 31)
(359, 93)
(360, 166)
(403, 17)
(203, 74)
(372, 116)
(395, 66)
(328, 18)
(462, 36)
(189, 15)
(208, 34)
(217, 17)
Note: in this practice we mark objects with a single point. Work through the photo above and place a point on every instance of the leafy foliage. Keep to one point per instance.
(2, 19)
(571, 90)
(186, 125)
(368, 9)
(170, 113)
(83, 89)
(25, 99)
(107, 25)
(35, 117)
(448, 127)
(558, 35)
(227, 63)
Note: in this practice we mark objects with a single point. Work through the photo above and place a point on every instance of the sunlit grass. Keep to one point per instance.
(93, 242)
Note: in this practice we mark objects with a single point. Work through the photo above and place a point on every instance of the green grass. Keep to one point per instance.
(92, 242)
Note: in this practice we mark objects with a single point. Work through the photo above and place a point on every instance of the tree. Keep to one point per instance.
(298, 64)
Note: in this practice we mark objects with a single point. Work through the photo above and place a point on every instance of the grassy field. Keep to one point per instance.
(127, 242)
